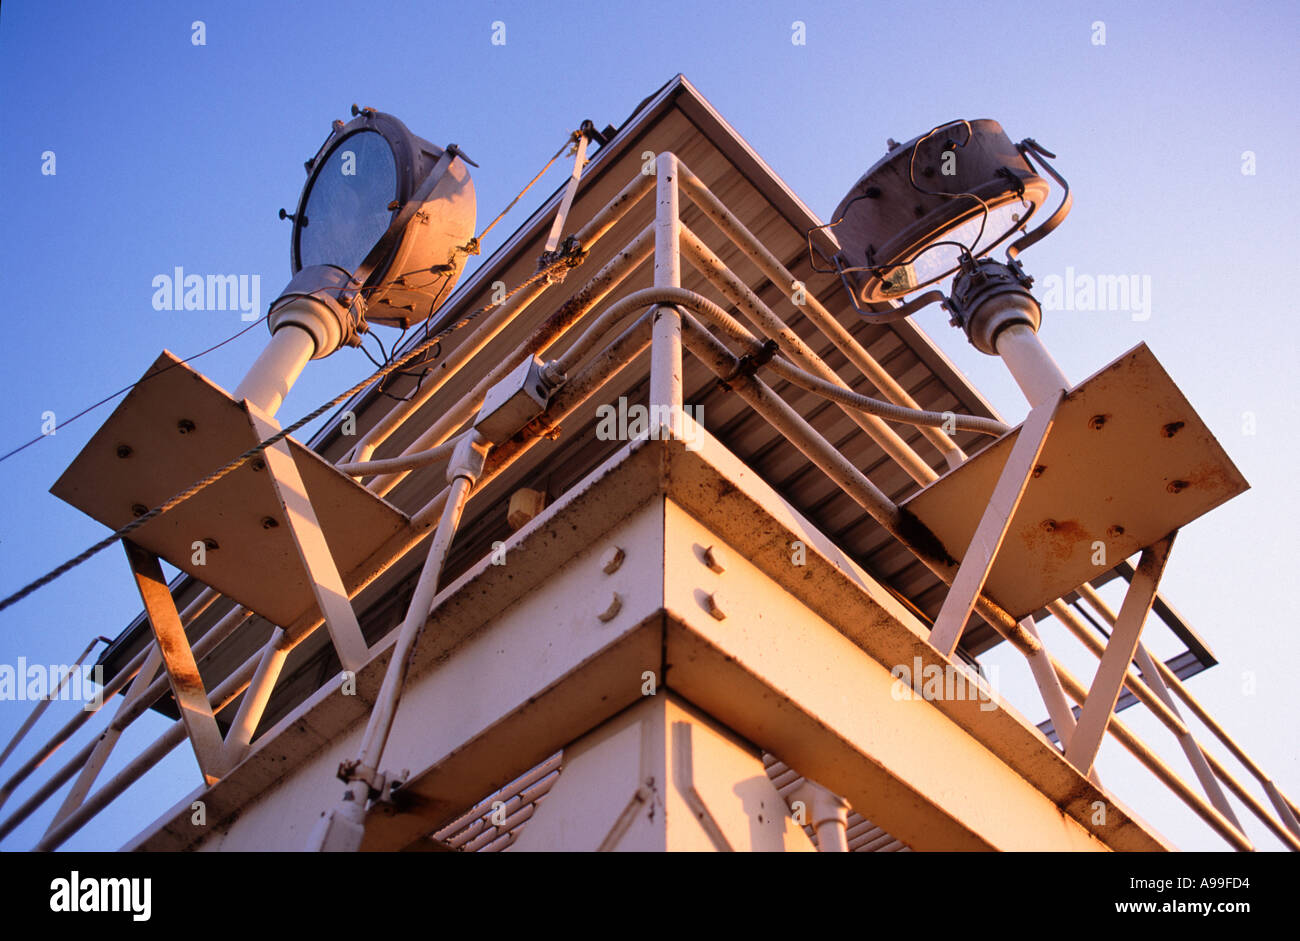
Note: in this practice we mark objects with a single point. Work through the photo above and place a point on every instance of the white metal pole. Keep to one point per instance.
(829, 815)
(269, 379)
(666, 344)
(1032, 366)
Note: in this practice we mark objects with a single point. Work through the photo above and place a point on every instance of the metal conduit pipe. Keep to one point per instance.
(812, 308)
(904, 527)
(793, 345)
(555, 326)
(886, 410)
(587, 236)
(703, 307)
(613, 360)
(443, 371)
(434, 455)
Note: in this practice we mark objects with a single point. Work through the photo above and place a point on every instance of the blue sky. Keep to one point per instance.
(173, 154)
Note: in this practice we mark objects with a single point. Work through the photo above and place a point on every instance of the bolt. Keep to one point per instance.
(713, 559)
(139, 509)
(1177, 486)
(123, 450)
(258, 464)
(612, 559)
(1048, 526)
(1038, 471)
(185, 426)
(715, 610)
(269, 522)
(1172, 428)
(615, 606)
(1096, 421)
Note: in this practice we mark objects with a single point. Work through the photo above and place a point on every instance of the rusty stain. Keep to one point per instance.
(914, 533)
(1055, 541)
(1213, 478)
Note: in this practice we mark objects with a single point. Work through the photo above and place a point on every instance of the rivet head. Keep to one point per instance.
(210, 544)
(1115, 531)
(257, 464)
(1172, 428)
(615, 606)
(185, 426)
(123, 450)
(712, 557)
(713, 605)
(1048, 526)
(611, 559)
(1038, 471)
(1177, 486)
(269, 522)
(1096, 422)
(139, 509)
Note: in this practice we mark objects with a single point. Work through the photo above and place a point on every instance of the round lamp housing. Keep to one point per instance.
(896, 218)
(357, 184)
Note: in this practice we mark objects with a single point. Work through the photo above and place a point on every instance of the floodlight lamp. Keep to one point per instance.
(933, 205)
(382, 230)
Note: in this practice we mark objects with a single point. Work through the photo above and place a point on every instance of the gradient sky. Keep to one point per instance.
(171, 154)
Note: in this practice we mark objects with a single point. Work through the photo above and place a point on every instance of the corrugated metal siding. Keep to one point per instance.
(474, 831)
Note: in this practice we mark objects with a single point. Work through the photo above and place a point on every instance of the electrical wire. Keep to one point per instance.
(274, 439)
(125, 389)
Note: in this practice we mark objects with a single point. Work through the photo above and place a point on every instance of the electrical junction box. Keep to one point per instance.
(513, 402)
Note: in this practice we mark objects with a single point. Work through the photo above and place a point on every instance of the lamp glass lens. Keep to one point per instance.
(933, 263)
(347, 209)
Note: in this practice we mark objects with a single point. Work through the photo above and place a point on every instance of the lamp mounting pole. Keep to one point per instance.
(992, 303)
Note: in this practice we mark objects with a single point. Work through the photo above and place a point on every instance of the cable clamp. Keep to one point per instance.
(749, 364)
(569, 255)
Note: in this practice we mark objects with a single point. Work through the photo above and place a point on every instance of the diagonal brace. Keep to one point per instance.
(1099, 705)
(313, 551)
(987, 540)
(178, 658)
